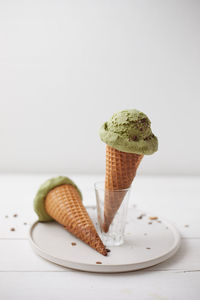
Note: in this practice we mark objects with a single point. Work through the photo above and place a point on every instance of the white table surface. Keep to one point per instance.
(24, 275)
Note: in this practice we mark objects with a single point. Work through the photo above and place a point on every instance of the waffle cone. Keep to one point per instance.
(64, 205)
(121, 169)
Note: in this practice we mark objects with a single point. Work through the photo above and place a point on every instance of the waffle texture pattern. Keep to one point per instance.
(121, 169)
(63, 204)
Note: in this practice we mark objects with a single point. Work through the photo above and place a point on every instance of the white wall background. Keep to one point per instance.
(66, 66)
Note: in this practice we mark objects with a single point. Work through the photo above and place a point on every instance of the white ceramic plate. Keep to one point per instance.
(145, 245)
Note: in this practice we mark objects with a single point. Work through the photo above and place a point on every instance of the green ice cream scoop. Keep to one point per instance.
(129, 131)
(47, 186)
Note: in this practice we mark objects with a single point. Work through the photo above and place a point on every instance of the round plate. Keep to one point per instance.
(147, 243)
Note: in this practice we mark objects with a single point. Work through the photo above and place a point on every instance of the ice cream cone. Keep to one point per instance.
(121, 169)
(128, 137)
(63, 203)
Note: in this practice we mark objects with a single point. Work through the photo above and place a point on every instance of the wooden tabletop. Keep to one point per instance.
(24, 275)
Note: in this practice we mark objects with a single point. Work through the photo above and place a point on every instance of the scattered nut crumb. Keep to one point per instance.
(73, 244)
(141, 216)
(98, 262)
(15, 215)
(159, 221)
(153, 218)
(108, 250)
(186, 225)
(149, 223)
(12, 229)
(148, 248)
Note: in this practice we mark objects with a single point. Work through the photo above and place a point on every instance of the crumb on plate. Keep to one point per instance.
(140, 216)
(153, 218)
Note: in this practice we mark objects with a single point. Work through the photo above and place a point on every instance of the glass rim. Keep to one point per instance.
(103, 188)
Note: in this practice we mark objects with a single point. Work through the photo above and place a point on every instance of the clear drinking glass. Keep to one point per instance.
(112, 207)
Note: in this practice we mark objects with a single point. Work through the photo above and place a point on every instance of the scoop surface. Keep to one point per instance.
(129, 131)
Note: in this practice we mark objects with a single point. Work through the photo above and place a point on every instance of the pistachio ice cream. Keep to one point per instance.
(129, 131)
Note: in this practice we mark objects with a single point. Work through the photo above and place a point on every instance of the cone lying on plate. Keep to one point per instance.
(128, 137)
(59, 199)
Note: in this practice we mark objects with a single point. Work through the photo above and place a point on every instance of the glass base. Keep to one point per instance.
(111, 240)
(112, 206)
